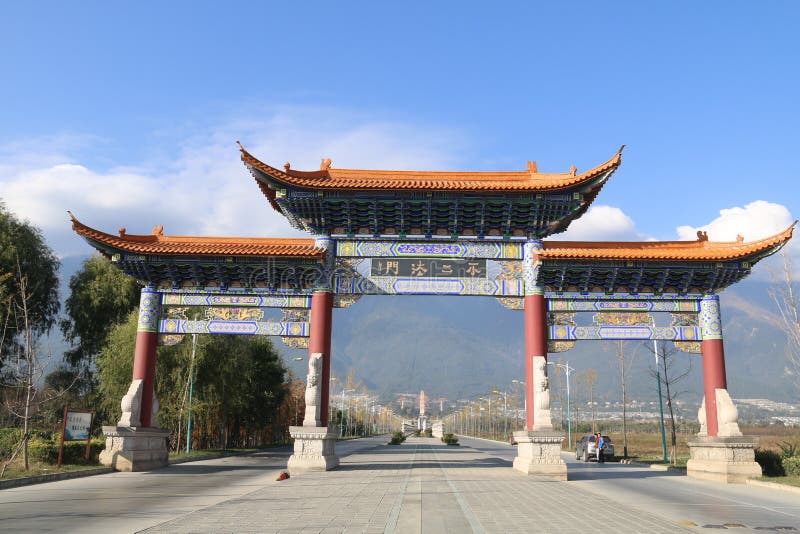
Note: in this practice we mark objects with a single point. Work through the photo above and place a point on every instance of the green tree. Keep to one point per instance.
(243, 377)
(239, 385)
(24, 253)
(100, 296)
(114, 368)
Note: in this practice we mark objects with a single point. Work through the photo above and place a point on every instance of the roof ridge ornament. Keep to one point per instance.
(702, 235)
(158, 230)
(326, 164)
(532, 167)
(573, 170)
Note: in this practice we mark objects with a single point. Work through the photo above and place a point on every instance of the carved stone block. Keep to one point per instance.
(723, 459)
(135, 449)
(314, 449)
(539, 454)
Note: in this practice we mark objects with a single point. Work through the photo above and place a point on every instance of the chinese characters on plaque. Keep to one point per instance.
(428, 268)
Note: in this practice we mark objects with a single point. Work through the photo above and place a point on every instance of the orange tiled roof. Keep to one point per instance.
(700, 250)
(331, 178)
(157, 243)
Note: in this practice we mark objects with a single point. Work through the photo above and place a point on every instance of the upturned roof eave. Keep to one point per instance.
(689, 251)
(191, 246)
(274, 178)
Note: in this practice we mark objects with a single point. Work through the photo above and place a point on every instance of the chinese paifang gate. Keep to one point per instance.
(380, 232)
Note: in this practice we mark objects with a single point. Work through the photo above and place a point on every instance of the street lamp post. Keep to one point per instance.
(567, 371)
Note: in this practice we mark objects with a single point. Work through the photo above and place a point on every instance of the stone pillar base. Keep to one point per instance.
(314, 449)
(135, 448)
(539, 454)
(729, 459)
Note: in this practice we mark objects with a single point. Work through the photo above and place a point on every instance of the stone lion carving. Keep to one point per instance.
(132, 405)
(727, 416)
(541, 395)
(313, 391)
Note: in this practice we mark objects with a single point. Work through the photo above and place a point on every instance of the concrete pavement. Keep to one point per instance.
(420, 486)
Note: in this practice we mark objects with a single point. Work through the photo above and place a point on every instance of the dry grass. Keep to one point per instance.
(770, 437)
(646, 446)
(16, 469)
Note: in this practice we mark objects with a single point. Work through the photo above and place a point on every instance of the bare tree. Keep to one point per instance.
(619, 349)
(670, 372)
(590, 378)
(24, 372)
(786, 296)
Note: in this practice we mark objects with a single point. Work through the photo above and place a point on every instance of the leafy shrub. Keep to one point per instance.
(46, 451)
(789, 449)
(428, 432)
(770, 462)
(397, 438)
(449, 439)
(791, 466)
(9, 438)
(417, 433)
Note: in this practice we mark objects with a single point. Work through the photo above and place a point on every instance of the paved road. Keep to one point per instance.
(421, 486)
(675, 496)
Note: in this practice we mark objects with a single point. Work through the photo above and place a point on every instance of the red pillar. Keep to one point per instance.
(144, 356)
(320, 342)
(535, 345)
(713, 358)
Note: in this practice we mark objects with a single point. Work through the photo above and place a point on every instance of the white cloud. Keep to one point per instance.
(205, 189)
(603, 223)
(757, 220)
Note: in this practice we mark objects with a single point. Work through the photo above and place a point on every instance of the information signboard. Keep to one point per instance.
(76, 426)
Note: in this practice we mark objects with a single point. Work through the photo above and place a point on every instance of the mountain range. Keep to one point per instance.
(458, 348)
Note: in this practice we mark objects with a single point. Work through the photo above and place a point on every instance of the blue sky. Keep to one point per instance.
(127, 113)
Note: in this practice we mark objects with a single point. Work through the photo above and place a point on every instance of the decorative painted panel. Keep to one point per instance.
(578, 333)
(295, 342)
(277, 301)
(325, 279)
(392, 249)
(709, 319)
(261, 328)
(645, 305)
(530, 268)
(149, 310)
(427, 286)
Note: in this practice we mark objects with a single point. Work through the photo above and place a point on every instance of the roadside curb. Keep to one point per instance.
(772, 485)
(485, 439)
(654, 467)
(52, 477)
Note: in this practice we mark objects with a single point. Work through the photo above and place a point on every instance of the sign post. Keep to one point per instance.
(76, 426)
